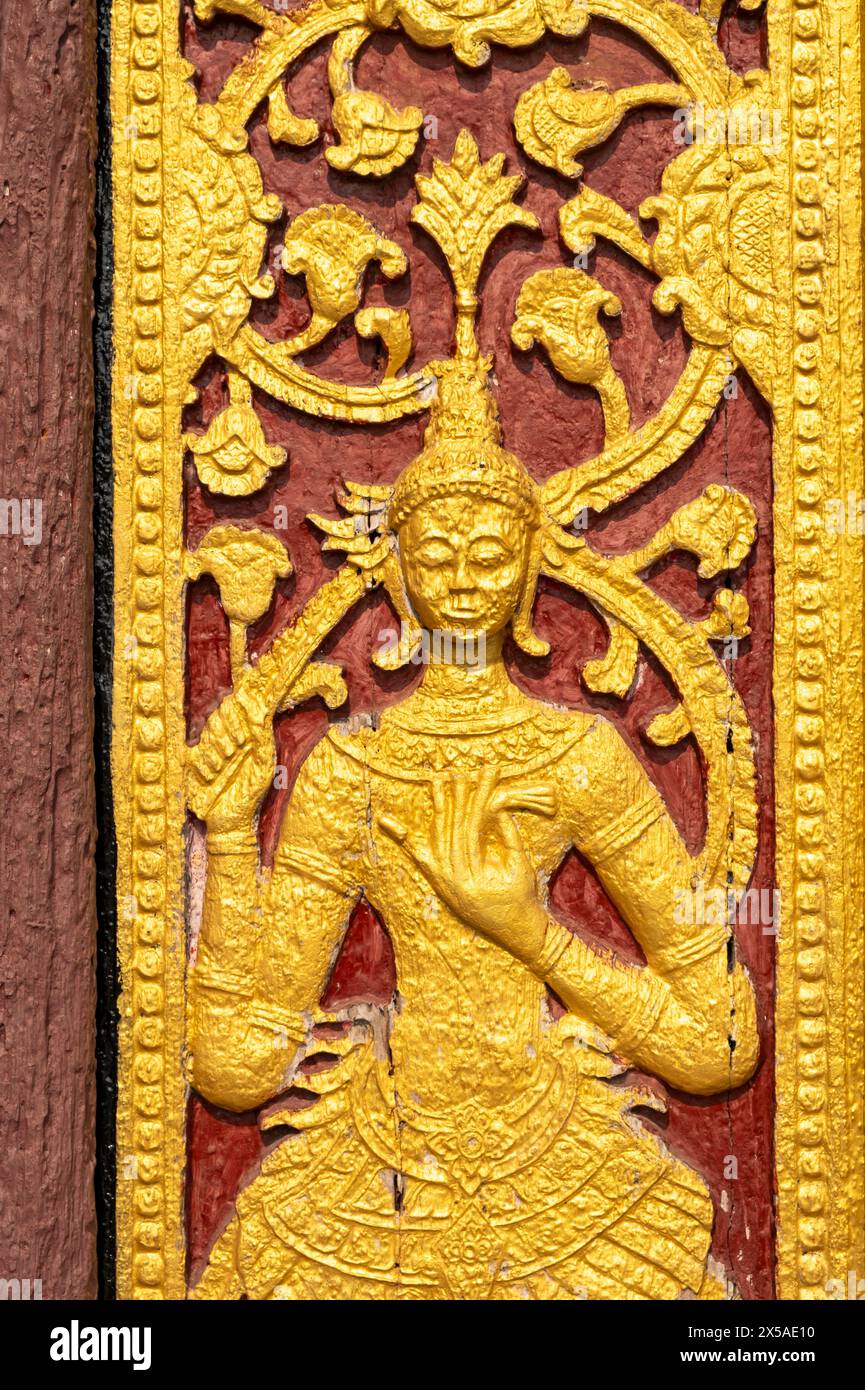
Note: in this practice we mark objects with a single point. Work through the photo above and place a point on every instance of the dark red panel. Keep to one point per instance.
(551, 425)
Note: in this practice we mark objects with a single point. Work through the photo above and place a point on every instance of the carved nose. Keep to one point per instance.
(462, 579)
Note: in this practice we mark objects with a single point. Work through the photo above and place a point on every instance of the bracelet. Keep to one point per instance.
(288, 1026)
(225, 981)
(637, 998)
(620, 833)
(650, 1011)
(313, 865)
(221, 842)
(557, 939)
(689, 953)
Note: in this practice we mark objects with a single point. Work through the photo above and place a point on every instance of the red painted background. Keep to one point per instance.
(550, 424)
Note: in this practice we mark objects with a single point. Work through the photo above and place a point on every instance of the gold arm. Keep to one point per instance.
(266, 946)
(688, 1045)
(228, 1063)
(248, 1019)
(690, 1015)
(621, 825)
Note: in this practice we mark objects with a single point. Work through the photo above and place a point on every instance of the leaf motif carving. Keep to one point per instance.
(614, 672)
(668, 728)
(393, 327)
(465, 204)
(282, 123)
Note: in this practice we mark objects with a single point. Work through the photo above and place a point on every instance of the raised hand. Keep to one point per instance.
(231, 766)
(474, 858)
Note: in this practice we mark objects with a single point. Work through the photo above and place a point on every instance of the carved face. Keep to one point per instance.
(464, 564)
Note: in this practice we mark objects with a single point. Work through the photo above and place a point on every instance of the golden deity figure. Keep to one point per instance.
(465, 1144)
(470, 1141)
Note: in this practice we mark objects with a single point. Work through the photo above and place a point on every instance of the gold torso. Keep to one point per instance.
(469, 1016)
(512, 1157)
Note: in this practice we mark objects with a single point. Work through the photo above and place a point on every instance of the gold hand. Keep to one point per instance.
(474, 857)
(230, 768)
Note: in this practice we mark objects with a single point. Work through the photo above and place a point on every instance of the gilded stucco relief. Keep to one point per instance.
(466, 1142)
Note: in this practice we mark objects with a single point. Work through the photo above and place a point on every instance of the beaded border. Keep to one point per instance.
(818, 673)
(150, 1130)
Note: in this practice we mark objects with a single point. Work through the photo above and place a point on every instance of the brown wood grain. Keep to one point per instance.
(47, 818)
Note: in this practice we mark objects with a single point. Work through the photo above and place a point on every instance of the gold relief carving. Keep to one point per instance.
(711, 9)
(222, 218)
(150, 1148)
(716, 218)
(245, 565)
(554, 121)
(505, 536)
(818, 1132)
(332, 247)
(393, 326)
(192, 221)
(233, 457)
(470, 28)
(559, 309)
(375, 138)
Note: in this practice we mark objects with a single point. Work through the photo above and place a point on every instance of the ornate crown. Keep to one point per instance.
(462, 448)
(463, 205)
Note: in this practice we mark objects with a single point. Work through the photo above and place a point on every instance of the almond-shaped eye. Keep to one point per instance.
(489, 553)
(434, 551)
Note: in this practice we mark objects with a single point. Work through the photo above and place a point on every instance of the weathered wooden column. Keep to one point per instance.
(47, 824)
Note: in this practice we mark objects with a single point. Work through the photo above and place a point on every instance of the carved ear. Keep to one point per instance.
(392, 658)
(521, 625)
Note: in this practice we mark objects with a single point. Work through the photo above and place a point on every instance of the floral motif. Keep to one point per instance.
(245, 565)
(375, 138)
(470, 28)
(233, 457)
(332, 246)
(713, 252)
(555, 121)
(464, 206)
(711, 10)
(559, 309)
(718, 527)
(283, 124)
(729, 616)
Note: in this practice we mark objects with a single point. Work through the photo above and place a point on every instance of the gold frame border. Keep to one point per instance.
(148, 726)
(818, 666)
(818, 661)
